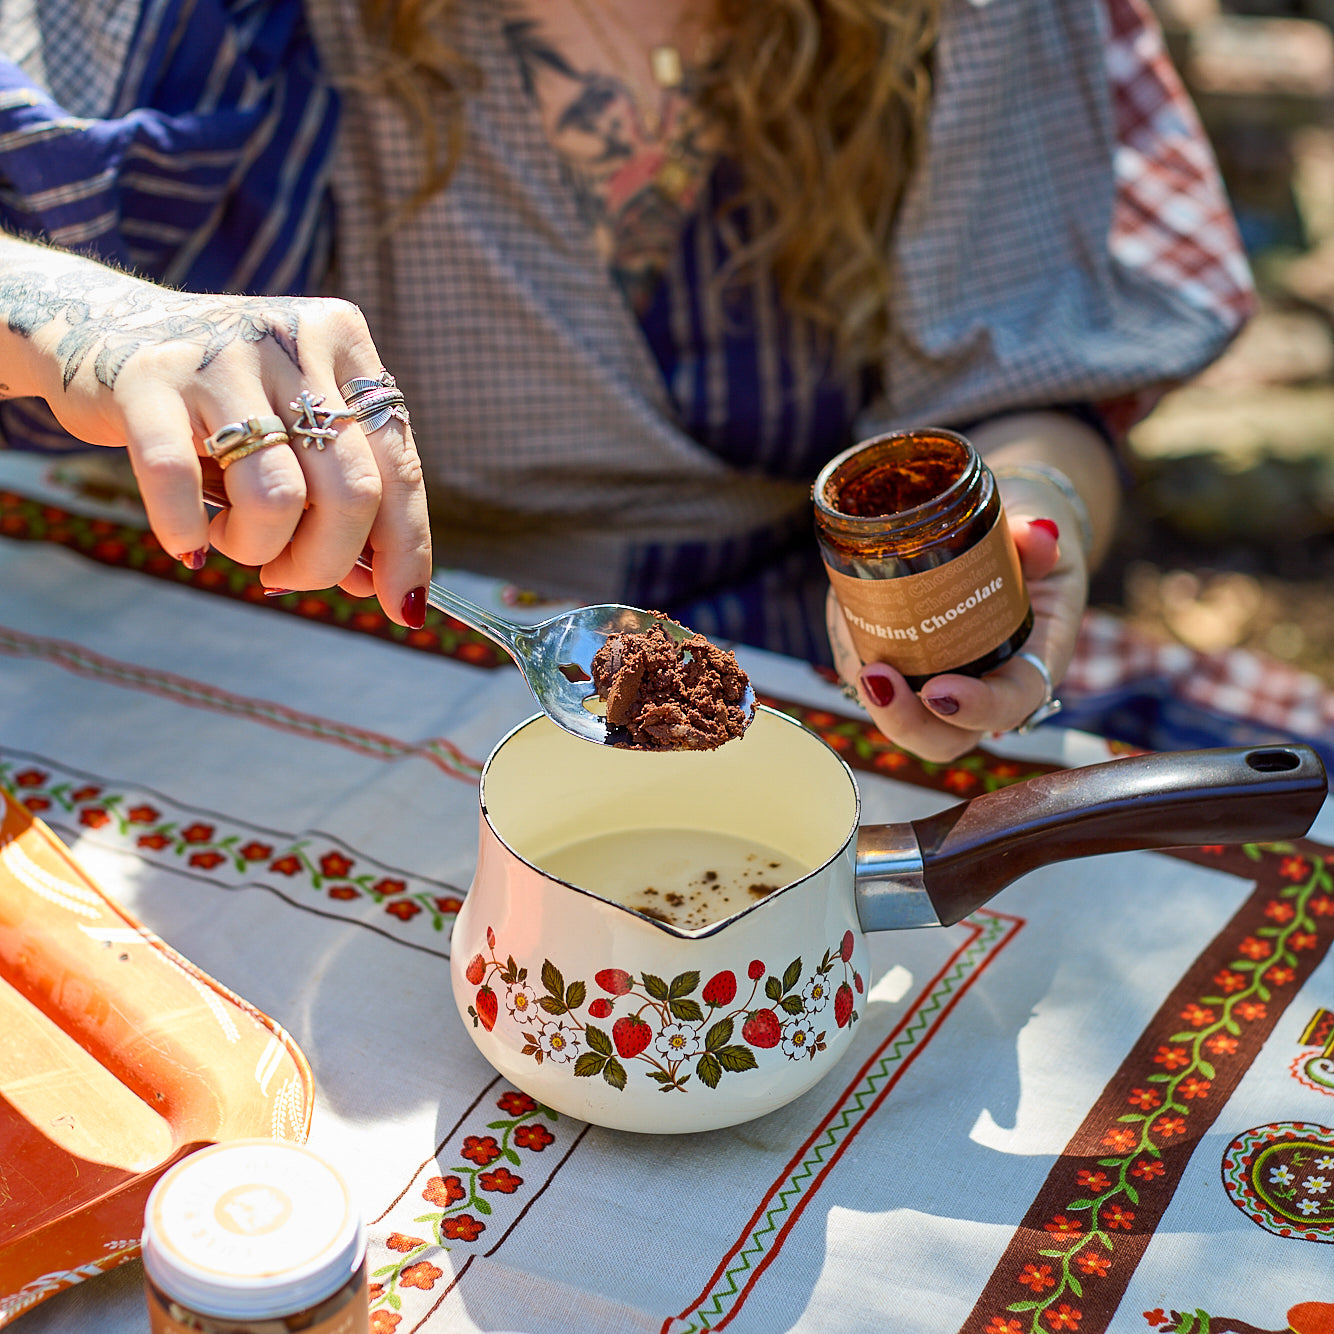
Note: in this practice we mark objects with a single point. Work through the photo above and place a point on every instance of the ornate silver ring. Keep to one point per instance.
(1050, 706)
(313, 421)
(374, 399)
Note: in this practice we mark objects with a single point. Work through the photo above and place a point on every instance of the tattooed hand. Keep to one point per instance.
(123, 362)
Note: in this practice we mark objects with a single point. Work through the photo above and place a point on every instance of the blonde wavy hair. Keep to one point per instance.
(823, 104)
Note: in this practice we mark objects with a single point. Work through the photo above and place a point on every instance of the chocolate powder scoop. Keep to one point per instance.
(664, 694)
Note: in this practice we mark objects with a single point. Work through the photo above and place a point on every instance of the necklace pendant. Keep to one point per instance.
(665, 62)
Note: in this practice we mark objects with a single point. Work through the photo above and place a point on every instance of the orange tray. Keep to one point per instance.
(117, 1057)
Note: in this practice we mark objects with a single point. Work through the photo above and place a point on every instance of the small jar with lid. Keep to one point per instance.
(920, 556)
(254, 1236)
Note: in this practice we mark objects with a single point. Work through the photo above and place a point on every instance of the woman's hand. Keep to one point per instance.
(123, 362)
(951, 713)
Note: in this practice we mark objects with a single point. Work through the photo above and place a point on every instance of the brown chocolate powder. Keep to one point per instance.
(667, 695)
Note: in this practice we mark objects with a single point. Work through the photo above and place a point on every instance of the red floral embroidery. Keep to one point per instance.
(35, 804)
(155, 841)
(1323, 905)
(256, 852)
(462, 1227)
(516, 1104)
(1037, 1277)
(30, 778)
(1277, 911)
(396, 1241)
(960, 780)
(289, 865)
(197, 833)
(1303, 940)
(1064, 1316)
(1197, 1015)
(1171, 1058)
(344, 892)
(1230, 981)
(384, 1322)
(94, 817)
(1144, 1098)
(1147, 1169)
(387, 886)
(448, 907)
(1254, 948)
(444, 1191)
(500, 1179)
(141, 814)
(533, 1136)
(481, 1149)
(1167, 1126)
(1116, 1215)
(207, 860)
(999, 1325)
(1120, 1139)
(1095, 1263)
(1195, 1087)
(1294, 868)
(423, 1274)
(1061, 1226)
(85, 793)
(1222, 1044)
(1281, 976)
(1250, 1010)
(404, 909)
(335, 865)
(1097, 1182)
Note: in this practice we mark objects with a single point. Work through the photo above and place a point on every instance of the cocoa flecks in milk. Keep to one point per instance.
(663, 694)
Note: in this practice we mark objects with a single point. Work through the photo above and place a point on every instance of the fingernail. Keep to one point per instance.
(878, 686)
(194, 560)
(414, 608)
(945, 704)
(1049, 526)
(278, 592)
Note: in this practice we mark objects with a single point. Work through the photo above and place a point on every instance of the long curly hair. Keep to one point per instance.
(823, 104)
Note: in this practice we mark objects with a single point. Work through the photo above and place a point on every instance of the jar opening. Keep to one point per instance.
(895, 474)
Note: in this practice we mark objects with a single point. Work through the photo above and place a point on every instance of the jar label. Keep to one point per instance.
(939, 619)
(352, 1317)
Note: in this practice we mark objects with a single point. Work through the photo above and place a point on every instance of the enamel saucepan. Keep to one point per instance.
(610, 1014)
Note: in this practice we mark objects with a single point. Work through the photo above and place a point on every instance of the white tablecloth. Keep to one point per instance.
(1046, 1122)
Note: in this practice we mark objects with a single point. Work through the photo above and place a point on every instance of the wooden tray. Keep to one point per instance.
(117, 1057)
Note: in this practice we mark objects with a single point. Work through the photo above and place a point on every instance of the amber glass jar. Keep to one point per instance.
(254, 1236)
(920, 556)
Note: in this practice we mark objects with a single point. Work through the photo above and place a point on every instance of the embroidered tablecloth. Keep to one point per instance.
(1104, 1102)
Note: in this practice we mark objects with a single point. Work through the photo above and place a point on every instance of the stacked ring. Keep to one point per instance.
(237, 439)
(374, 399)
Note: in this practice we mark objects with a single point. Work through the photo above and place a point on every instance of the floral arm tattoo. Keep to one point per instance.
(110, 317)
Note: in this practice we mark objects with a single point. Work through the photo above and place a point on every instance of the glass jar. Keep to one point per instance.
(254, 1236)
(918, 551)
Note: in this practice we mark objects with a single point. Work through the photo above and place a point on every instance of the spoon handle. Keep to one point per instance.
(505, 633)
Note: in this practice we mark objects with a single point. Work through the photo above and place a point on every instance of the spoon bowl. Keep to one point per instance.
(556, 655)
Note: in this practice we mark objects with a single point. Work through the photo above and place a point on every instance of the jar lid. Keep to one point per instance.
(252, 1228)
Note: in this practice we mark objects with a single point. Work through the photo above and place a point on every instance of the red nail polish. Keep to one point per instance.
(879, 687)
(194, 560)
(945, 704)
(414, 608)
(1049, 526)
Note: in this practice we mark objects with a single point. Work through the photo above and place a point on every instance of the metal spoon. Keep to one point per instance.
(555, 655)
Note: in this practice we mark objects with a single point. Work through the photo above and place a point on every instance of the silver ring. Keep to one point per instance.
(374, 399)
(1050, 706)
(312, 423)
(363, 384)
(236, 435)
(373, 410)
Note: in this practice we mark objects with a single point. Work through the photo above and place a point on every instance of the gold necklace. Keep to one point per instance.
(664, 62)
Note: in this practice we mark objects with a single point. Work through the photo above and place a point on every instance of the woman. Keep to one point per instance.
(640, 269)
